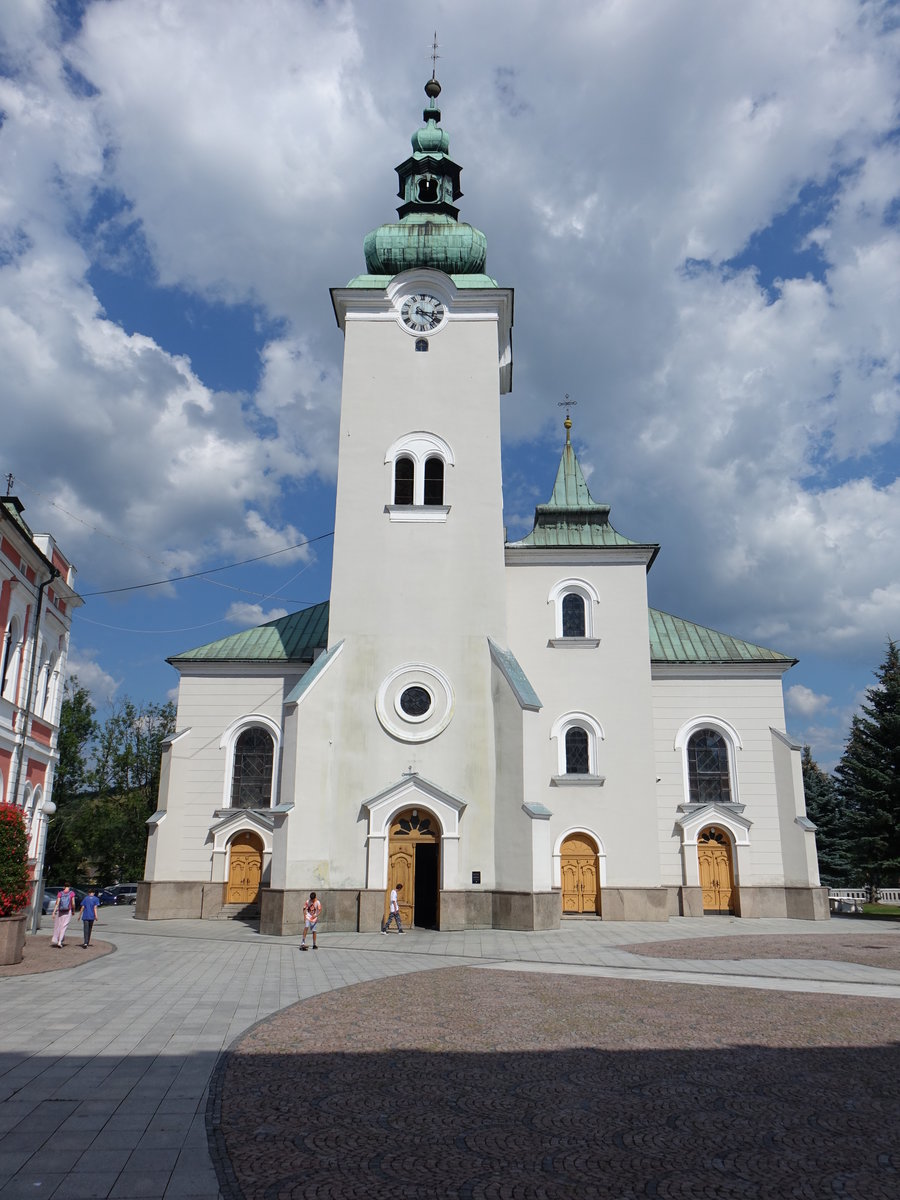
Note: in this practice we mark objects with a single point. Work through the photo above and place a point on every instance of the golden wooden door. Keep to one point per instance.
(244, 870)
(580, 874)
(408, 830)
(716, 871)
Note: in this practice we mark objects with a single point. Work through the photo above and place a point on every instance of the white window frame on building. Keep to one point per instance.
(590, 598)
(733, 744)
(228, 743)
(595, 735)
(419, 448)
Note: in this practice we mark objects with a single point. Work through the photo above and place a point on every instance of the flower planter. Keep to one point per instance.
(12, 939)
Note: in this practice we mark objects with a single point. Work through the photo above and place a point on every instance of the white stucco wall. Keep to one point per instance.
(751, 705)
(209, 702)
(611, 683)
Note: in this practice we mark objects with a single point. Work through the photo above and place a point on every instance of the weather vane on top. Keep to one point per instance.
(9, 484)
(434, 55)
(568, 405)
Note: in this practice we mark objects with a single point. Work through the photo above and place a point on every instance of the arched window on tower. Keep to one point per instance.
(404, 476)
(434, 480)
(428, 190)
(577, 757)
(422, 345)
(251, 782)
(12, 650)
(573, 623)
(708, 773)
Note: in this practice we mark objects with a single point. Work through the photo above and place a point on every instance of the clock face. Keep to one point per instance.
(422, 312)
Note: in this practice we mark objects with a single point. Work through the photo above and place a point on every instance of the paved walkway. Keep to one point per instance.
(104, 1069)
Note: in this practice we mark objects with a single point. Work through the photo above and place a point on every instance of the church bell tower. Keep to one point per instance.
(418, 586)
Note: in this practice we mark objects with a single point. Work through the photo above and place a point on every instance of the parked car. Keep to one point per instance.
(50, 894)
(125, 893)
(106, 896)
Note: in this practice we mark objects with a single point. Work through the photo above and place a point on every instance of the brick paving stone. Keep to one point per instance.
(501, 1085)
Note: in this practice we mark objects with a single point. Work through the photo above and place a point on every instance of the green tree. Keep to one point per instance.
(111, 772)
(868, 778)
(826, 812)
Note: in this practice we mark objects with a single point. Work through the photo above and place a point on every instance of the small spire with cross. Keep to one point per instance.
(10, 480)
(434, 55)
(568, 405)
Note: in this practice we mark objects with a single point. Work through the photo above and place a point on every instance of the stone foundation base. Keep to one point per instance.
(797, 903)
(351, 910)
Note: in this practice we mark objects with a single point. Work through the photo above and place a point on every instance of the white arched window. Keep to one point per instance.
(419, 463)
(252, 745)
(50, 692)
(708, 745)
(574, 603)
(12, 653)
(578, 736)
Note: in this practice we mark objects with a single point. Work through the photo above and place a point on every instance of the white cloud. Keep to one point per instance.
(749, 426)
(805, 701)
(82, 664)
(249, 615)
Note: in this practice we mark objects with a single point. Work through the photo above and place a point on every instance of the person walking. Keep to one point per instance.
(62, 915)
(312, 910)
(394, 914)
(88, 914)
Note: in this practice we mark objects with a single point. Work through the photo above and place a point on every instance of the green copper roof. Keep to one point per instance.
(674, 640)
(288, 639)
(429, 232)
(572, 517)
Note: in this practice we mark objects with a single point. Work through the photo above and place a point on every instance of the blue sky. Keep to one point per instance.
(697, 205)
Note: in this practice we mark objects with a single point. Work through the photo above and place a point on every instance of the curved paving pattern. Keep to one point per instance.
(497, 1085)
(875, 949)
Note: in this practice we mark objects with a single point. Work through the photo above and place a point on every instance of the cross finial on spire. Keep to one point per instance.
(568, 405)
(9, 484)
(434, 55)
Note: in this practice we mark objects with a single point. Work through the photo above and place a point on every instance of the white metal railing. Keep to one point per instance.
(861, 895)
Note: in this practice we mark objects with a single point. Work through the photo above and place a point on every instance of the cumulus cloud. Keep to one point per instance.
(803, 700)
(737, 403)
(248, 615)
(102, 686)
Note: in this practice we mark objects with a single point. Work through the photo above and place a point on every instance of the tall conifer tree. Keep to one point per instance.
(826, 812)
(868, 778)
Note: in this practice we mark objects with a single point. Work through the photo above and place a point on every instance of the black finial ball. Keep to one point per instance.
(432, 89)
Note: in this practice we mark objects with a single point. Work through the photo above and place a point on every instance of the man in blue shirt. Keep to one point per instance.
(89, 906)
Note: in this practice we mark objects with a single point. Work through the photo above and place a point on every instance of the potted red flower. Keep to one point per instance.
(14, 893)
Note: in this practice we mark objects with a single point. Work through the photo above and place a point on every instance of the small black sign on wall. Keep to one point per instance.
(476, 877)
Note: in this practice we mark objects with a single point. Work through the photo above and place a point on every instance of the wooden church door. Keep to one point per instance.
(580, 875)
(716, 871)
(413, 860)
(245, 870)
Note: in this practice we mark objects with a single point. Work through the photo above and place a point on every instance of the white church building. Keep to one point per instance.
(507, 728)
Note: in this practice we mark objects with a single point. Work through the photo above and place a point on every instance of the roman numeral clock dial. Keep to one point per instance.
(422, 313)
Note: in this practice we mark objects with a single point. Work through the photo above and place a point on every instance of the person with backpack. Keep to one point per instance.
(62, 915)
(89, 906)
(311, 911)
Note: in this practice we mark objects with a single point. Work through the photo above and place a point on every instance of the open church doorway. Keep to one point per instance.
(244, 869)
(414, 861)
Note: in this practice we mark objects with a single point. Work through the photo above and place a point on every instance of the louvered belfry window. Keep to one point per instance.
(251, 784)
(708, 768)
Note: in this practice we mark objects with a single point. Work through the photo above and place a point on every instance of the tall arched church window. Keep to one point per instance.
(573, 623)
(254, 759)
(709, 777)
(404, 480)
(577, 759)
(434, 480)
